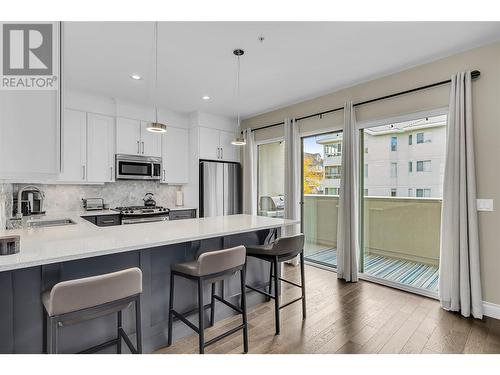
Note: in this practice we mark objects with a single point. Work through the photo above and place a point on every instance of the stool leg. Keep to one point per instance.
(53, 333)
(118, 329)
(303, 283)
(138, 326)
(170, 310)
(201, 319)
(244, 309)
(270, 281)
(212, 306)
(276, 296)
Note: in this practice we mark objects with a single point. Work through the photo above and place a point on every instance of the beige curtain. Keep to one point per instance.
(459, 273)
(292, 174)
(249, 174)
(347, 226)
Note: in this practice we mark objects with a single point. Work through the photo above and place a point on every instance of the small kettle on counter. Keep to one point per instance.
(149, 200)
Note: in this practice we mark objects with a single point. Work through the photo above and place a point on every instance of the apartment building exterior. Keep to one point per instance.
(405, 159)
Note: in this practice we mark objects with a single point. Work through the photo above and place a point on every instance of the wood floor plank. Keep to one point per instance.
(351, 318)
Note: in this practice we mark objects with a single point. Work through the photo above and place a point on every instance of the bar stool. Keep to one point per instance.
(74, 301)
(281, 250)
(209, 268)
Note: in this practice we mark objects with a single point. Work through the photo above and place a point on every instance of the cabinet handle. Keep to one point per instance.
(218, 152)
(143, 147)
(108, 221)
(111, 173)
(83, 172)
(221, 153)
(138, 148)
(164, 175)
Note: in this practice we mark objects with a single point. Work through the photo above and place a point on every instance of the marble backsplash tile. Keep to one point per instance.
(5, 203)
(119, 193)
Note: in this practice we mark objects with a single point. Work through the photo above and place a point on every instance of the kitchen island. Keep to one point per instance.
(53, 254)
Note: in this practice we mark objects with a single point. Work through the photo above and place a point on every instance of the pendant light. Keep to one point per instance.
(238, 141)
(156, 127)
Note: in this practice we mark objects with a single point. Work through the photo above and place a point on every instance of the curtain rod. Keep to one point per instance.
(474, 74)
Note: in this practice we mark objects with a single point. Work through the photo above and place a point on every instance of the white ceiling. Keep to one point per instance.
(296, 61)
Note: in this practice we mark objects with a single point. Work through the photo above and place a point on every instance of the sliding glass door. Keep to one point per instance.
(271, 179)
(402, 168)
(321, 169)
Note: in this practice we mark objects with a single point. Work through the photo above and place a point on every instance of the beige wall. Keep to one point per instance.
(486, 104)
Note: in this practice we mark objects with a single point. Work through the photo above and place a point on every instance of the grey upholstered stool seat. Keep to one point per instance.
(209, 268)
(73, 301)
(281, 250)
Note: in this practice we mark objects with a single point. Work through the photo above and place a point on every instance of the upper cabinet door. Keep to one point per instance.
(29, 131)
(100, 148)
(229, 152)
(74, 153)
(209, 141)
(128, 136)
(175, 156)
(150, 142)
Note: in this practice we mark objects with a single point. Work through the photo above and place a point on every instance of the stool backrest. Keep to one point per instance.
(291, 245)
(74, 295)
(221, 260)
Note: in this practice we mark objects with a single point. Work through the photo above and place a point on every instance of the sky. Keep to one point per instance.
(311, 146)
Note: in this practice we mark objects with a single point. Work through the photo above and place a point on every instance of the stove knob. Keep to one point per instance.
(125, 212)
(131, 211)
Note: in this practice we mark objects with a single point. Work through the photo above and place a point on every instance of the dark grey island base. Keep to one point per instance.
(21, 311)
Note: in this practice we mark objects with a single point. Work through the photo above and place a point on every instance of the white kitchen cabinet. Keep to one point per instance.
(128, 136)
(132, 138)
(175, 155)
(74, 149)
(229, 152)
(150, 142)
(100, 148)
(209, 141)
(216, 145)
(29, 135)
(87, 147)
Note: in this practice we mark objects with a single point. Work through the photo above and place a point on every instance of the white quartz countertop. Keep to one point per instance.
(84, 240)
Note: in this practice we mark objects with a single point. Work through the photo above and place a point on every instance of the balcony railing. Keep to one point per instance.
(397, 227)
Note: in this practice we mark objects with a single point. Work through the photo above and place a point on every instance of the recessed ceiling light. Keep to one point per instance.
(205, 97)
(136, 77)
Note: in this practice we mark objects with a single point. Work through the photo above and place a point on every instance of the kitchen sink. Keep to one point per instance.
(49, 223)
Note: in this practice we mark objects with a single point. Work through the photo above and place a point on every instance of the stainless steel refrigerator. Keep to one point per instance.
(220, 188)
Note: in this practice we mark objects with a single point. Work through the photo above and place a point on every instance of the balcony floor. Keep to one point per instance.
(418, 275)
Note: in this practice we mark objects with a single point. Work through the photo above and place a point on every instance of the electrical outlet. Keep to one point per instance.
(484, 204)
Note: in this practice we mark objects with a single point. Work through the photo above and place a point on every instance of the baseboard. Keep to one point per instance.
(491, 309)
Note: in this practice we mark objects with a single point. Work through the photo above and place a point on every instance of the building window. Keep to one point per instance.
(366, 150)
(366, 192)
(332, 171)
(393, 192)
(394, 143)
(420, 137)
(410, 167)
(334, 149)
(331, 191)
(423, 193)
(410, 139)
(423, 166)
(365, 169)
(394, 169)
(410, 192)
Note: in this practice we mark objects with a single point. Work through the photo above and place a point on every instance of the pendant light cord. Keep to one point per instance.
(238, 92)
(156, 71)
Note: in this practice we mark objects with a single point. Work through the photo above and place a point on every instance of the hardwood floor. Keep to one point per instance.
(352, 318)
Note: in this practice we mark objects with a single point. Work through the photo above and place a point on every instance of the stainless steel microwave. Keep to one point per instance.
(133, 167)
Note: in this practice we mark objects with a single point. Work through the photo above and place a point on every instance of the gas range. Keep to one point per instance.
(142, 214)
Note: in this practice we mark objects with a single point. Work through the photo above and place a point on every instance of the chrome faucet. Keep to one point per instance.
(20, 194)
